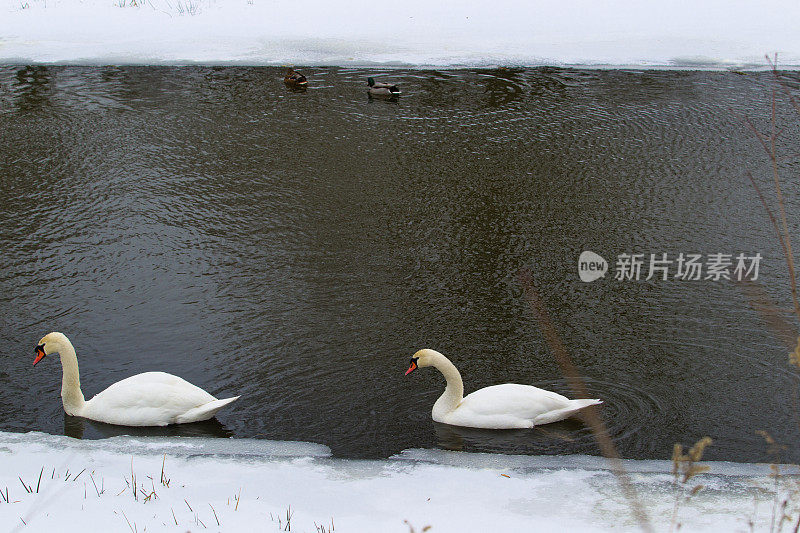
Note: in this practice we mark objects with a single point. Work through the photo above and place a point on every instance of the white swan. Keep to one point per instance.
(508, 406)
(149, 399)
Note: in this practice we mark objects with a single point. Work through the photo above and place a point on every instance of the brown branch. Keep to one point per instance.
(770, 313)
(578, 387)
(769, 212)
(758, 134)
(774, 66)
(782, 211)
(783, 229)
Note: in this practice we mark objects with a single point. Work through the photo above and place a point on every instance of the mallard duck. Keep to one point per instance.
(382, 89)
(294, 78)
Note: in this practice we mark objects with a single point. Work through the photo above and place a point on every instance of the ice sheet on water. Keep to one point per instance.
(572, 462)
(243, 483)
(181, 447)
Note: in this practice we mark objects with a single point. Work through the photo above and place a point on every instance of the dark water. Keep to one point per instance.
(296, 248)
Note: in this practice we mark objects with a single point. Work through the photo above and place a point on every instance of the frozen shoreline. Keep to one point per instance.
(89, 482)
(623, 33)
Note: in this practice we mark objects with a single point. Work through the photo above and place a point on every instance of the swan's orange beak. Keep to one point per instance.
(39, 354)
(412, 367)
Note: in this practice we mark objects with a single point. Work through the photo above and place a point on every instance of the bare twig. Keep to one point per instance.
(773, 63)
(578, 387)
(129, 523)
(769, 213)
(768, 144)
(684, 467)
(773, 316)
(215, 514)
(95, 485)
(164, 479)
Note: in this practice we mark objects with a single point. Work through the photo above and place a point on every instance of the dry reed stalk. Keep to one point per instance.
(578, 387)
(768, 144)
(684, 468)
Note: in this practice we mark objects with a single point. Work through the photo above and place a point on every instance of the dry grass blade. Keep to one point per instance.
(696, 489)
(684, 468)
(38, 483)
(578, 387)
(95, 485)
(129, 523)
(694, 470)
(677, 454)
(696, 451)
(289, 513)
(215, 514)
(773, 448)
(411, 528)
(164, 479)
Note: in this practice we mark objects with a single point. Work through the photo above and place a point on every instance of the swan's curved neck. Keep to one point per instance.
(71, 395)
(454, 392)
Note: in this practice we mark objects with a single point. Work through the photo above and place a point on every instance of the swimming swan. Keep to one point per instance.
(508, 406)
(149, 399)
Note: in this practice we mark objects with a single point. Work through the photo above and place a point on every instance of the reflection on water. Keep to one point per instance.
(296, 248)
(74, 426)
(32, 87)
(79, 428)
(551, 438)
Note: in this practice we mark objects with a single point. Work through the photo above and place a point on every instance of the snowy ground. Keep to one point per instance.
(248, 485)
(667, 33)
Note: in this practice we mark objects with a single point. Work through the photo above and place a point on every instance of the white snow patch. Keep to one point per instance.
(86, 483)
(446, 33)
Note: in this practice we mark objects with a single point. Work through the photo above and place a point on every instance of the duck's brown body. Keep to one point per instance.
(294, 79)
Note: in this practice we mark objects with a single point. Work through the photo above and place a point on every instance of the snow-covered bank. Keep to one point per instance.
(251, 484)
(669, 33)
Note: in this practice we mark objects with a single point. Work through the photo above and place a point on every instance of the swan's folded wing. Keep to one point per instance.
(521, 401)
(152, 398)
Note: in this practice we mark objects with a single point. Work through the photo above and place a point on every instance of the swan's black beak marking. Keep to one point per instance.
(413, 365)
(39, 354)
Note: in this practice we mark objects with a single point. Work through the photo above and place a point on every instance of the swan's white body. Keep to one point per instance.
(508, 406)
(148, 399)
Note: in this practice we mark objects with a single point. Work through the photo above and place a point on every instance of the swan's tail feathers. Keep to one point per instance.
(565, 412)
(580, 404)
(205, 411)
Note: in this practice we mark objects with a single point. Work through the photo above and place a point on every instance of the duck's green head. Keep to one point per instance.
(370, 81)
